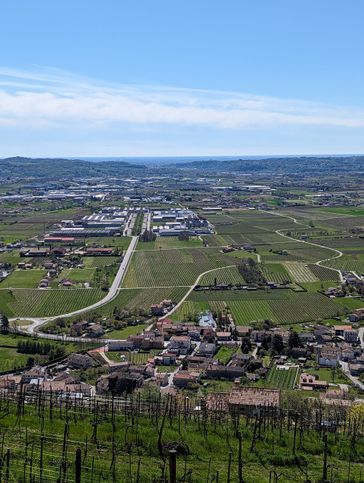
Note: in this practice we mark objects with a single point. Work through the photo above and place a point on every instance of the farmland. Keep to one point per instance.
(282, 377)
(96, 262)
(164, 243)
(300, 272)
(172, 267)
(280, 306)
(275, 272)
(136, 455)
(41, 303)
(348, 263)
(141, 299)
(167, 267)
(223, 275)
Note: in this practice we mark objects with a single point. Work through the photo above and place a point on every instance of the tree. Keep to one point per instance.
(4, 324)
(246, 345)
(277, 344)
(251, 272)
(148, 236)
(184, 236)
(266, 342)
(294, 340)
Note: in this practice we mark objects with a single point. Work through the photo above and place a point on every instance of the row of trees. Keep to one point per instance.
(148, 236)
(41, 348)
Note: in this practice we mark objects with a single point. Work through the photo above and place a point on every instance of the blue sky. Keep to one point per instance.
(192, 77)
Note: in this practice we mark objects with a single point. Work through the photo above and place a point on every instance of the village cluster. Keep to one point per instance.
(173, 357)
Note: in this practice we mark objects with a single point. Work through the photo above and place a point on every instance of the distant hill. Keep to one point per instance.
(22, 167)
(313, 164)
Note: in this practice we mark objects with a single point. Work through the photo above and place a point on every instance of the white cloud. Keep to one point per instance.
(54, 98)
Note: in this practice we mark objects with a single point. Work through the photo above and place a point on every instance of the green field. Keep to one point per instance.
(124, 333)
(224, 354)
(300, 272)
(121, 242)
(12, 257)
(275, 272)
(347, 210)
(350, 303)
(140, 299)
(41, 303)
(172, 267)
(166, 242)
(132, 357)
(281, 378)
(279, 306)
(95, 262)
(127, 449)
(23, 279)
(224, 275)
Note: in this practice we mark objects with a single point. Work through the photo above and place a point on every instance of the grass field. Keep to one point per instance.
(23, 279)
(132, 357)
(124, 333)
(12, 257)
(347, 210)
(349, 302)
(224, 354)
(76, 275)
(96, 262)
(121, 242)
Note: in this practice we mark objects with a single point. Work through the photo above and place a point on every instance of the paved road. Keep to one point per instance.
(191, 289)
(361, 337)
(353, 379)
(112, 293)
(172, 374)
(320, 262)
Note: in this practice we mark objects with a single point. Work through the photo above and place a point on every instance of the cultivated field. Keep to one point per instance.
(279, 306)
(166, 242)
(275, 272)
(172, 267)
(142, 299)
(300, 272)
(282, 377)
(223, 275)
(41, 303)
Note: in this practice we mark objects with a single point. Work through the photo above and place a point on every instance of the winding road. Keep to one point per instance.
(320, 262)
(191, 290)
